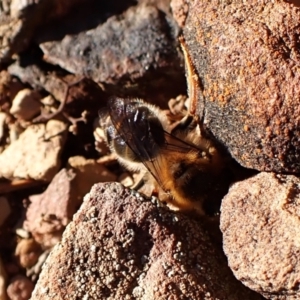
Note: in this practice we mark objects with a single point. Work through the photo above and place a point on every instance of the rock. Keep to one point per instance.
(20, 288)
(50, 8)
(26, 104)
(21, 19)
(41, 144)
(49, 213)
(260, 218)
(103, 45)
(3, 295)
(5, 80)
(22, 233)
(9, 87)
(9, 30)
(83, 94)
(28, 252)
(5, 210)
(121, 246)
(137, 45)
(180, 11)
(35, 270)
(249, 94)
(48, 101)
(162, 5)
(88, 172)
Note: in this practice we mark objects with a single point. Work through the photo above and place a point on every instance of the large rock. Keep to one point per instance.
(121, 246)
(247, 57)
(136, 46)
(260, 221)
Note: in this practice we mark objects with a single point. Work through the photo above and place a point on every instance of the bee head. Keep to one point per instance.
(134, 131)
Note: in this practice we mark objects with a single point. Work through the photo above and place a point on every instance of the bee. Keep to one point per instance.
(177, 160)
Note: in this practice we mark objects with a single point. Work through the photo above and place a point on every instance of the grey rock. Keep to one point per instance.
(140, 43)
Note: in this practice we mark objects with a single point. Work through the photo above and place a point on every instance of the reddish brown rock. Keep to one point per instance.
(20, 288)
(121, 246)
(88, 172)
(180, 11)
(260, 221)
(50, 212)
(249, 80)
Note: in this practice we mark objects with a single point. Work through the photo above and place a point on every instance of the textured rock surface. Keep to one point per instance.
(9, 87)
(56, 85)
(120, 246)
(88, 172)
(180, 11)
(26, 104)
(50, 212)
(122, 50)
(260, 221)
(28, 252)
(249, 74)
(36, 153)
(20, 288)
(19, 21)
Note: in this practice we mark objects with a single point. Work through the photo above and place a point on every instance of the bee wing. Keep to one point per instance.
(168, 155)
(173, 143)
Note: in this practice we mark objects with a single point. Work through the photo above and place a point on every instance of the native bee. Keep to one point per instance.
(182, 165)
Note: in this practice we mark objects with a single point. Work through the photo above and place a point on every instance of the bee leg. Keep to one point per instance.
(139, 183)
(187, 124)
(145, 185)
